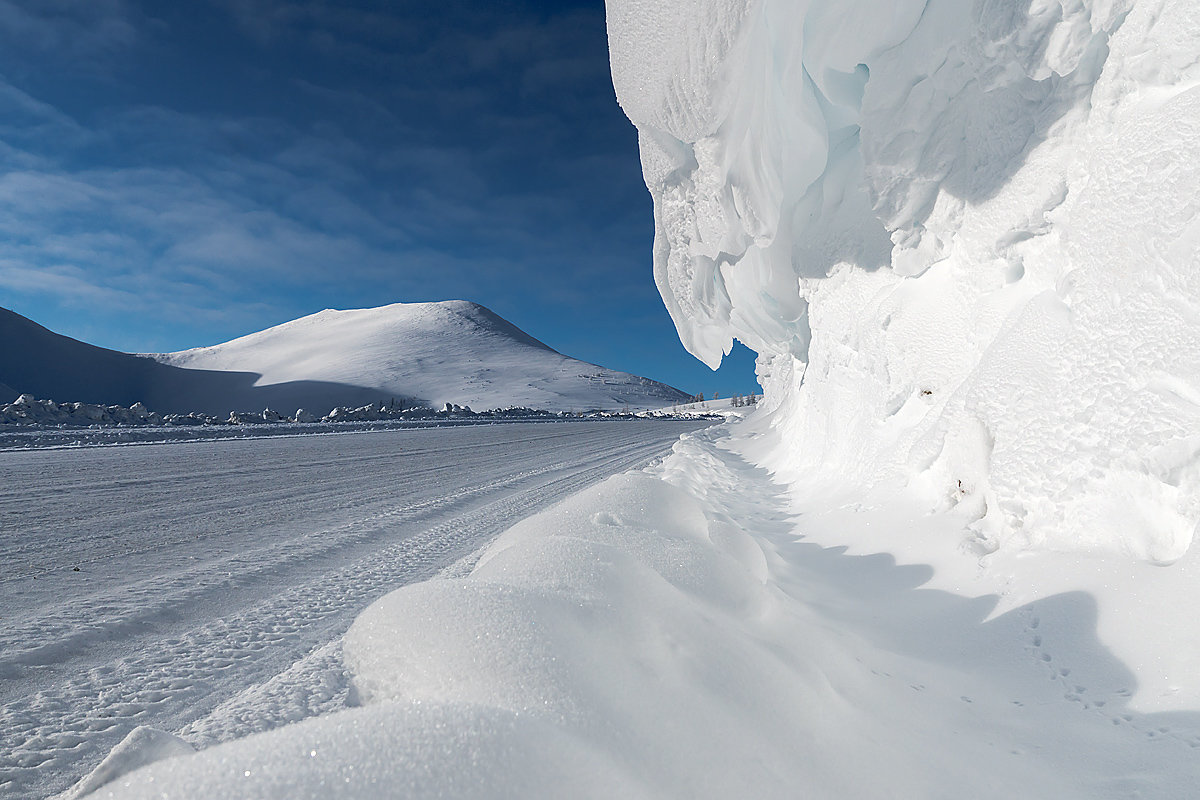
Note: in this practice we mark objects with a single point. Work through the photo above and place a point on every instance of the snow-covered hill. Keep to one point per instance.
(434, 353)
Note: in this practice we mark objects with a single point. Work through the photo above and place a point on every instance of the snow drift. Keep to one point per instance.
(963, 237)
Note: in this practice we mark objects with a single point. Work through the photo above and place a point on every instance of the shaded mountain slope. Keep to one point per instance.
(416, 353)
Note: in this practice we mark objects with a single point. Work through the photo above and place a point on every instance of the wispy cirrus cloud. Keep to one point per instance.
(177, 174)
(81, 32)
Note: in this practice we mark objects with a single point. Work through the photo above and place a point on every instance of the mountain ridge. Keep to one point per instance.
(429, 354)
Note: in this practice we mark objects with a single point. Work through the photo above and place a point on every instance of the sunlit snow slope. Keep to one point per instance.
(451, 352)
(964, 238)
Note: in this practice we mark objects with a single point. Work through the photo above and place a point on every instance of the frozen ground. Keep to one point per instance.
(203, 587)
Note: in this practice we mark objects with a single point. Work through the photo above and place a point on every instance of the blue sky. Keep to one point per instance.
(179, 174)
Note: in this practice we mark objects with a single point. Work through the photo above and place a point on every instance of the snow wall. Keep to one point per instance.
(963, 236)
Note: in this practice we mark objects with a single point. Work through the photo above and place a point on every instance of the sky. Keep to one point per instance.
(175, 175)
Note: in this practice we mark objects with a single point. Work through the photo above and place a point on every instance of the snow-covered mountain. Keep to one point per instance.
(432, 353)
(414, 353)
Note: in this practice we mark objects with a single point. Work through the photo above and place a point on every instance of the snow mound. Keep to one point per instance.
(450, 352)
(27, 410)
(963, 237)
(144, 745)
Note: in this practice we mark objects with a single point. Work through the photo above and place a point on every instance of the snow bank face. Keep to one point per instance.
(964, 238)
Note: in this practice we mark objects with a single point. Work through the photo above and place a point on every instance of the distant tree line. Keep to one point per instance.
(737, 400)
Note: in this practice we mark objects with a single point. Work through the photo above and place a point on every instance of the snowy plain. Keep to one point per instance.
(202, 587)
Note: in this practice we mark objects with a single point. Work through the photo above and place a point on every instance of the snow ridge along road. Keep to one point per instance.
(215, 579)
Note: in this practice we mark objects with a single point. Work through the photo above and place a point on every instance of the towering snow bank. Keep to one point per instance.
(964, 238)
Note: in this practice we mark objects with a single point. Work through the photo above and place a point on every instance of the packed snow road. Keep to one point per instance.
(203, 587)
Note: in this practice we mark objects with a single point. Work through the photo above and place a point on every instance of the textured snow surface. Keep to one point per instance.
(437, 353)
(667, 634)
(203, 588)
(964, 238)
